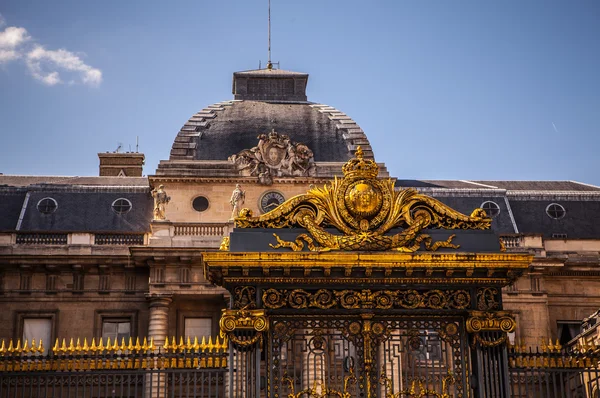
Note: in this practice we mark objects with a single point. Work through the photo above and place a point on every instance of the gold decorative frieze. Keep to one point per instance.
(366, 299)
(355, 268)
(364, 209)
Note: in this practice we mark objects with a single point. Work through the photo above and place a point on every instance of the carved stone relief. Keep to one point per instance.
(276, 155)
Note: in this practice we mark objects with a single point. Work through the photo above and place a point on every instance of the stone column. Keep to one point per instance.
(158, 324)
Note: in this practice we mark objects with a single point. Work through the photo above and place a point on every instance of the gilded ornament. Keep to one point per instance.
(482, 321)
(224, 244)
(417, 388)
(364, 209)
(487, 321)
(365, 299)
(253, 320)
(486, 299)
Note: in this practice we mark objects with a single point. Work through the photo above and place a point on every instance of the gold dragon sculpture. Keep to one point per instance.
(364, 209)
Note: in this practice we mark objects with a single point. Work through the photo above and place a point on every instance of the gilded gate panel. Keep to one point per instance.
(367, 356)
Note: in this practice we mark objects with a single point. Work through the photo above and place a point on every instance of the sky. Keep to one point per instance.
(476, 90)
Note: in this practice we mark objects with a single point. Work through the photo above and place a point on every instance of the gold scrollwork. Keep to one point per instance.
(242, 319)
(482, 321)
(364, 209)
(417, 388)
(244, 297)
(486, 299)
(487, 321)
(320, 389)
(352, 299)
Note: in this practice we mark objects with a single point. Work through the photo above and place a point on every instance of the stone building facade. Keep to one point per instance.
(84, 256)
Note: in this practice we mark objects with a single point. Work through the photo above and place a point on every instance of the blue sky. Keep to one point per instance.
(443, 89)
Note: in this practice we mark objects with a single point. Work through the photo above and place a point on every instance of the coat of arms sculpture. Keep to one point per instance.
(276, 155)
(364, 209)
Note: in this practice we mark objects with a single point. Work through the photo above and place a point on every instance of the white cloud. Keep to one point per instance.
(45, 65)
(10, 40)
(12, 37)
(8, 55)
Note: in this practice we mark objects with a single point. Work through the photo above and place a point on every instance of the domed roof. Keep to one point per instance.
(267, 100)
(224, 129)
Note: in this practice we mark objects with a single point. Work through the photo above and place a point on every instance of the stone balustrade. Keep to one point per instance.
(512, 241)
(200, 229)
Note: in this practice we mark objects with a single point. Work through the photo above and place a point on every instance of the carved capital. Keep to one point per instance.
(243, 320)
(251, 320)
(485, 321)
(159, 299)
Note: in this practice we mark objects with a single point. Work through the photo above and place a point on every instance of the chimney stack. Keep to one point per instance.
(114, 164)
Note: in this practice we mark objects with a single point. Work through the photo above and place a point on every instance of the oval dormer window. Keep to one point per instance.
(47, 206)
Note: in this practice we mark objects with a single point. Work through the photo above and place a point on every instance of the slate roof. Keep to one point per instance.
(84, 204)
(527, 201)
(23, 181)
(437, 184)
(502, 223)
(579, 222)
(88, 211)
(540, 185)
(226, 128)
(11, 202)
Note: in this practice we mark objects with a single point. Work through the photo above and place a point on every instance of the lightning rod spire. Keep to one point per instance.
(269, 64)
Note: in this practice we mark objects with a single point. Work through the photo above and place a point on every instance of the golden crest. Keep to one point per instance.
(364, 209)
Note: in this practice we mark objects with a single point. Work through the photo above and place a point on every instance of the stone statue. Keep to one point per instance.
(238, 197)
(160, 202)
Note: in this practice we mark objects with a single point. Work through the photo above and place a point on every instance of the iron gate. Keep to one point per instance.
(367, 356)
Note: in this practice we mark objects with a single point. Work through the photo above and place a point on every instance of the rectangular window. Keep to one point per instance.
(38, 329)
(118, 329)
(567, 330)
(197, 327)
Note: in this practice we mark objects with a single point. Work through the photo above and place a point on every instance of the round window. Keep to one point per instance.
(491, 208)
(47, 205)
(200, 203)
(121, 206)
(556, 211)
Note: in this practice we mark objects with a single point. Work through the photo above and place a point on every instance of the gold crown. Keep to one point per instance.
(359, 167)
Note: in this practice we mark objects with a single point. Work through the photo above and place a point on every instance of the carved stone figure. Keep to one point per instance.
(160, 202)
(238, 197)
(276, 155)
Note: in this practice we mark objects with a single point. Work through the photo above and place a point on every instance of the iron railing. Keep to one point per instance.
(154, 383)
(119, 239)
(24, 238)
(108, 369)
(187, 354)
(551, 371)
